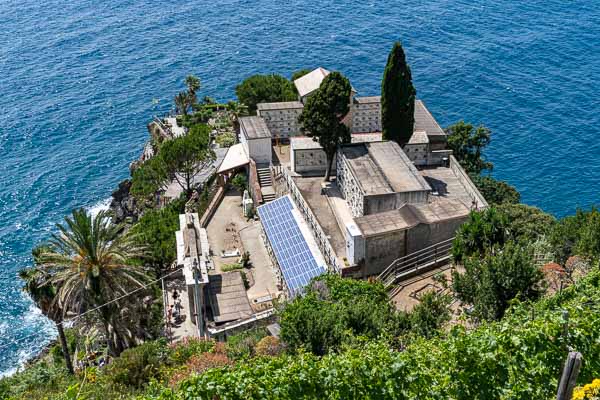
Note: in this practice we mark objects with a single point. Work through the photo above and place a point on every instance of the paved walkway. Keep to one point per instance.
(229, 230)
(186, 327)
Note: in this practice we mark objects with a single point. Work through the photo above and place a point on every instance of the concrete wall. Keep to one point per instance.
(478, 200)
(258, 149)
(282, 123)
(348, 185)
(386, 202)
(366, 117)
(417, 153)
(382, 250)
(310, 161)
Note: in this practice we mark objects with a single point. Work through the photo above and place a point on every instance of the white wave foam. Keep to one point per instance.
(99, 206)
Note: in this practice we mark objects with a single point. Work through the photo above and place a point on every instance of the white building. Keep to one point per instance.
(281, 118)
(256, 139)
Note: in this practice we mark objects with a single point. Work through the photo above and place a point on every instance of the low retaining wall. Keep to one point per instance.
(463, 177)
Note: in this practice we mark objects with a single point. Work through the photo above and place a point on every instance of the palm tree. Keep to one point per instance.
(44, 295)
(193, 85)
(236, 110)
(182, 103)
(89, 263)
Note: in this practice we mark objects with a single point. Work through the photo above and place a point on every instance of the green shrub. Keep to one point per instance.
(231, 267)
(240, 182)
(225, 139)
(242, 345)
(182, 351)
(135, 367)
(519, 357)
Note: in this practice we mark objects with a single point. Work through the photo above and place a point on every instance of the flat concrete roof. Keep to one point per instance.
(368, 99)
(411, 215)
(254, 128)
(229, 301)
(382, 168)
(425, 122)
(282, 105)
(307, 143)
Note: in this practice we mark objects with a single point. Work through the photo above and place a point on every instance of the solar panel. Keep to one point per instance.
(297, 263)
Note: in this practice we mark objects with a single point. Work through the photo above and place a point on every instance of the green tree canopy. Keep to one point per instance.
(397, 98)
(322, 115)
(495, 191)
(467, 143)
(526, 223)
(482, 231)
(185, 157)
(263, 89)
(577, 234)
(489, 284)
(89, 263)
(155, 231)
(193, 85)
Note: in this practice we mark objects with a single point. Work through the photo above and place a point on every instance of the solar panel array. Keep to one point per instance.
(297, 263)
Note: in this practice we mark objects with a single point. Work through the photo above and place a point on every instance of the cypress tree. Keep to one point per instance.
(397, 98)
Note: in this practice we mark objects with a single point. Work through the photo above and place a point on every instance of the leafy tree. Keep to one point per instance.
(525, 223)
(155, 231)
(432, 312)
(264, 88)
(577, 234)
(44, 296)
(489, 284)
(480, 233)
(240, 182)
(397, 98)
(300, 73)
(185, 157)
(182, 103)
(148, 178)
(467, 144)
(322, 115)
(495, 191)
(193, 85)
(89, 263)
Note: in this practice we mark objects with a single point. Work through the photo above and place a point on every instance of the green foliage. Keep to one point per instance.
(336, 312)
(148, 178)
(242, 345)
(397, 98)
(526, 223)
(155, 230)
(193, 85)
(482, 231)
(430, 314)
(577, 234)
(322, 115)
(240, 182)
(489, 284)
(135, 367)
(300, 73)
(231, 267)
(187, 156)
(495, 191)
(182, 351)
(225, 139)
(516, 358)
(263, 89)
(467, 144)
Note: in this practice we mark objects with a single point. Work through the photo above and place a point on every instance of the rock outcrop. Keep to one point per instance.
(123, 204)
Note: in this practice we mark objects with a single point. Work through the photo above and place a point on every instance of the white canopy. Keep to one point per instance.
(236, 157)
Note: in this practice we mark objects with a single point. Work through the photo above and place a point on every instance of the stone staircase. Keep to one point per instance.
(266, 183)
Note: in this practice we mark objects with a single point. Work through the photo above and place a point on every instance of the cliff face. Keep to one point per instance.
(123, 204)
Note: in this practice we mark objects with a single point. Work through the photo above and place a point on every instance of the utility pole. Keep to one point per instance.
(197, 305)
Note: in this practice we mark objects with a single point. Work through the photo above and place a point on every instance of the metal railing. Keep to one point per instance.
(411, 263)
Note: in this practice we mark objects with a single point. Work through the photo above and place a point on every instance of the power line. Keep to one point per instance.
(62, 323)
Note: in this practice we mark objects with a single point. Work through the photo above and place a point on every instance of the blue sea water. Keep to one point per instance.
(79, 80)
